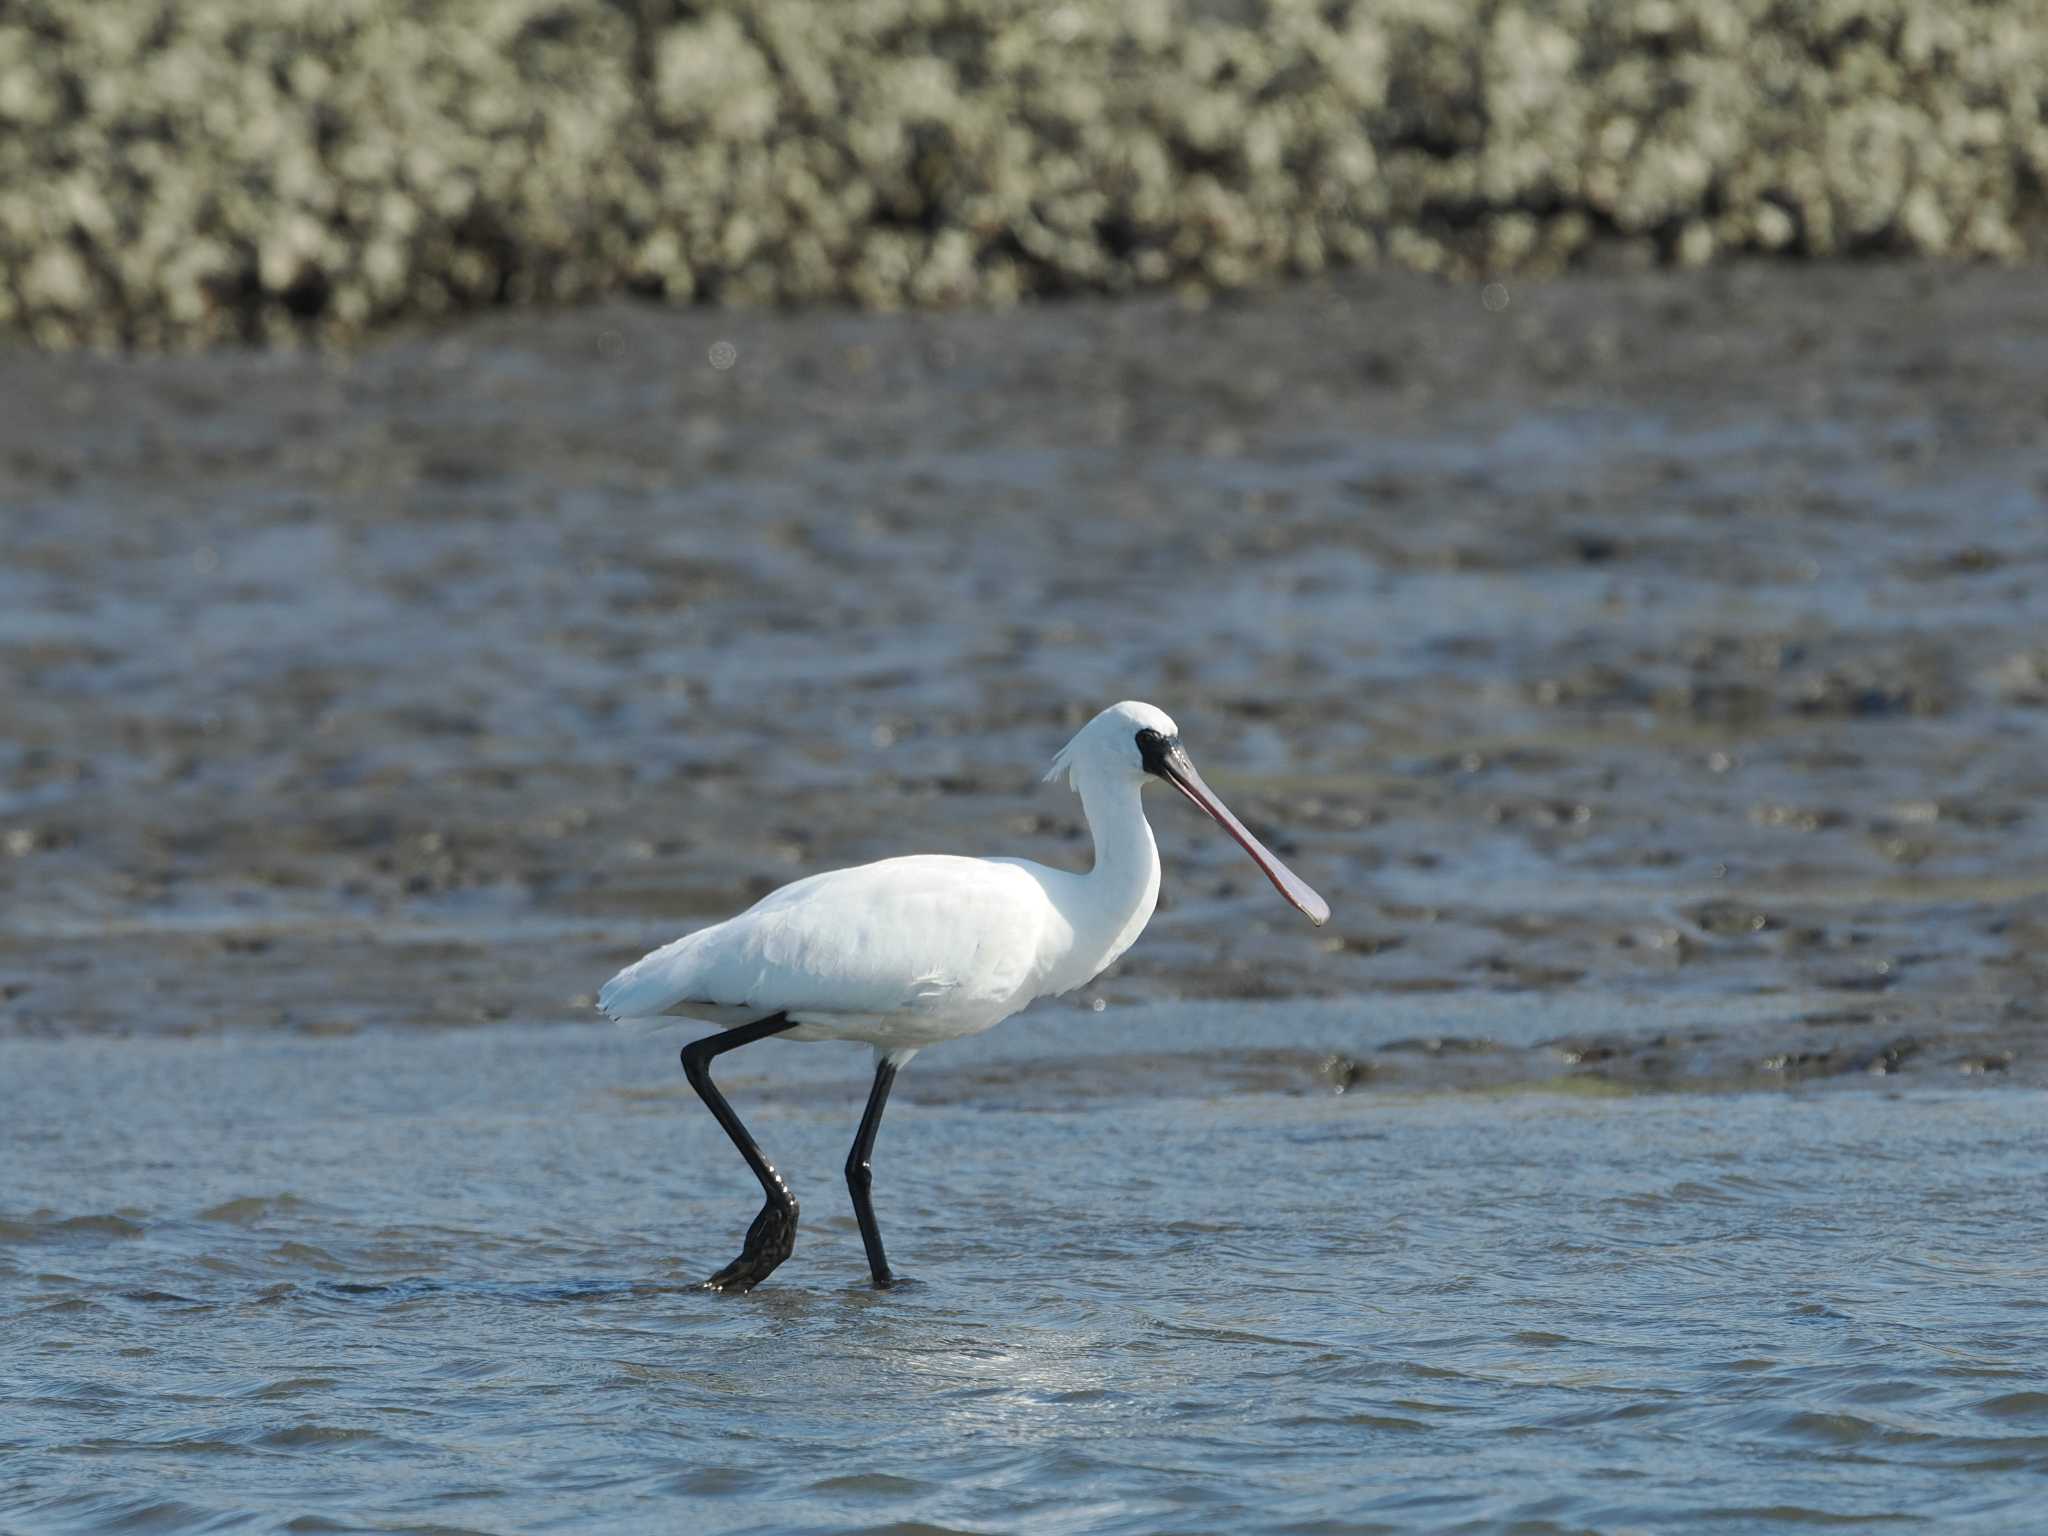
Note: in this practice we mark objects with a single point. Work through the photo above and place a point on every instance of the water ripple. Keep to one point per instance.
(1445, 1324)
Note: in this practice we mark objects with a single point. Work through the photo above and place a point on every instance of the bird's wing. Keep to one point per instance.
(924, 934)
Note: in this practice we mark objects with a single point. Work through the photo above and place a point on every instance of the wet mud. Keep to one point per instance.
(1668, 650)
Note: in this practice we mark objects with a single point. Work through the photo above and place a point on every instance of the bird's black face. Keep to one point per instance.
(1155, 751)
(1164, 756)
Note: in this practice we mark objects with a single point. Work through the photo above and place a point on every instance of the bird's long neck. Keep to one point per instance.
(1123, 887)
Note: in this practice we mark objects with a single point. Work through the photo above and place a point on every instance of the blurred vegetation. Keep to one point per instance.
(174, 172)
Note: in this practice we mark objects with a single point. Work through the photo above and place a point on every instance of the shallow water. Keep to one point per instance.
(1652, 675)
(440, 1282)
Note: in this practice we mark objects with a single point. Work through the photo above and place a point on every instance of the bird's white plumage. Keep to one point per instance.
(899, 953)
(910, 951)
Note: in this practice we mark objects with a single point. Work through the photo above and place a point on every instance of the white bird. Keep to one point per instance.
(907, 952)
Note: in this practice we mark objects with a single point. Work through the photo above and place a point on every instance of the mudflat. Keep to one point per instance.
(1670, 647)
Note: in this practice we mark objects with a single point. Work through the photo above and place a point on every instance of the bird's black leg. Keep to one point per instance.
(772, 1237)
(860, 1176)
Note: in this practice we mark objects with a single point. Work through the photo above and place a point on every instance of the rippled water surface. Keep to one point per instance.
(441, 1282)
(1652, 674)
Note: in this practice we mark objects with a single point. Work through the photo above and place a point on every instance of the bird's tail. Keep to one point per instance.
(644, 990)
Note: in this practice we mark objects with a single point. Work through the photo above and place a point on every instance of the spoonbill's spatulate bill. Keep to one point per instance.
(909, 952)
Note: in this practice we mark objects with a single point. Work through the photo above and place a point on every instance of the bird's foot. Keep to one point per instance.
(770, 1240)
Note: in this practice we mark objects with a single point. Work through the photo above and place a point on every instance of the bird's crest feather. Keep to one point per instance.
(1063, 767)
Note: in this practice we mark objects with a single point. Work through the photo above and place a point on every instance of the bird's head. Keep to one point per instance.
(1112, 744)
(1137, 743)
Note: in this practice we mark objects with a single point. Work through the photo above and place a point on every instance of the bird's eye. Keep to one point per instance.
(1154, 749)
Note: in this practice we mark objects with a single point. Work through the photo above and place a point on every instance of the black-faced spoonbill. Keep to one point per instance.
(908, 952)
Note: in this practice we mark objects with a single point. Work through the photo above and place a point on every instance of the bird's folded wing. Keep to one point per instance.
(913, 935)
